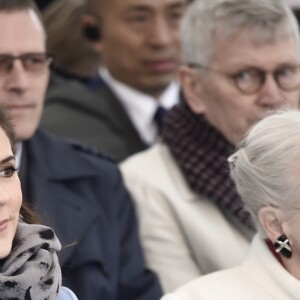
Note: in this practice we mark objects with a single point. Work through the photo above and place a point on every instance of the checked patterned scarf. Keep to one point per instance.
(201, 152)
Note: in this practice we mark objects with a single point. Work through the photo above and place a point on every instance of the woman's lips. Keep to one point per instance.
(3, 225)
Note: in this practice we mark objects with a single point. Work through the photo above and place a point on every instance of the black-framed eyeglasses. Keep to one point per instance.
(35, 62)
(250, 81)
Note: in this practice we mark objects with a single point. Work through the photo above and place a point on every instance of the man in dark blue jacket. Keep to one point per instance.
(76, 191)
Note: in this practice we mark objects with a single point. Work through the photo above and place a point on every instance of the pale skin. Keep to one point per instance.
(215, 95)
(21, 92)
(10, 196)
(277, 222)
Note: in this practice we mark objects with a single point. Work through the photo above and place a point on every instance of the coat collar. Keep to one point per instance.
(57, 173)
(51, 159)
(262, 266)
(186, 193)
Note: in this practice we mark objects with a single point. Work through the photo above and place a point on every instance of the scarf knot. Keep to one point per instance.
(31, 271)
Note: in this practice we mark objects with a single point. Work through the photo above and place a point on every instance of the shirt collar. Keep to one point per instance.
(141, 107)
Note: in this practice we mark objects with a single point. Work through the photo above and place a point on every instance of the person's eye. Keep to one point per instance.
(249, 76)
(7, 172)
(31, 60)
(176, 15)
(35, 60)
(138, 19)
(5, 62)
(287, 72)
(243, 76)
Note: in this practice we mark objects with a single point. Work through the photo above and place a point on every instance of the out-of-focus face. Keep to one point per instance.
(10, 196)
(21, 90)
(224, 105)
(140, 42)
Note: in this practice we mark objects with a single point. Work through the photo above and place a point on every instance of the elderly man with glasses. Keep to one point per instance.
(241, 63)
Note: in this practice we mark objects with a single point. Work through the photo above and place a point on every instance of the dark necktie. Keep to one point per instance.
(159, 118)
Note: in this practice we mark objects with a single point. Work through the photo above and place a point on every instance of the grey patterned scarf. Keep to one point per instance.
(31, 271)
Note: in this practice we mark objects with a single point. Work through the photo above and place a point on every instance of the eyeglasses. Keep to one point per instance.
(34, 63)
(250, 81)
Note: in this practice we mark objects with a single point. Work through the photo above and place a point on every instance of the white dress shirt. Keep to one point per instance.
(141, 107)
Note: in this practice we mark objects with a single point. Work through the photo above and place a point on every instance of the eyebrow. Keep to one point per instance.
(144, 8)
(246, 66)
(7, 159)
(178, 5)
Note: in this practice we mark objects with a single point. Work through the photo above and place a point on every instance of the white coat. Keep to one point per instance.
(260, 277)
(184, 235)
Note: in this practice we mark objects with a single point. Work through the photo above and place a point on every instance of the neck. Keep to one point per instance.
(292, 265)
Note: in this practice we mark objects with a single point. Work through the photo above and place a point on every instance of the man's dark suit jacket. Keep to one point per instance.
(92, 116)
(81, 195)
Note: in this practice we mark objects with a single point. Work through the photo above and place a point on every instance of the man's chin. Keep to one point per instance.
(156, 89)
(25, 134)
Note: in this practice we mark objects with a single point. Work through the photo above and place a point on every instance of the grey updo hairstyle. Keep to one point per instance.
(264, 167)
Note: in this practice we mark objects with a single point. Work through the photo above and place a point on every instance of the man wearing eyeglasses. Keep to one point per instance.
(241, 63)
(76, 191)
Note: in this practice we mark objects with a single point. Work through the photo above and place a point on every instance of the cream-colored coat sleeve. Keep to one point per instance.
(166, 248)
(183, 235)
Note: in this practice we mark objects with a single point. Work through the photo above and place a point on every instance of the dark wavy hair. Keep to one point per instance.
(28, 215)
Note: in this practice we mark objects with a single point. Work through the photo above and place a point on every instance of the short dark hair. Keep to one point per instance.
(8, 6)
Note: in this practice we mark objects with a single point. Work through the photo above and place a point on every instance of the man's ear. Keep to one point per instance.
(192, 89)
(270, 219)
(92, 32)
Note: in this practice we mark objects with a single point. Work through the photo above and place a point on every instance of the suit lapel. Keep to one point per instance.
(101, 103)
(109, 108)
